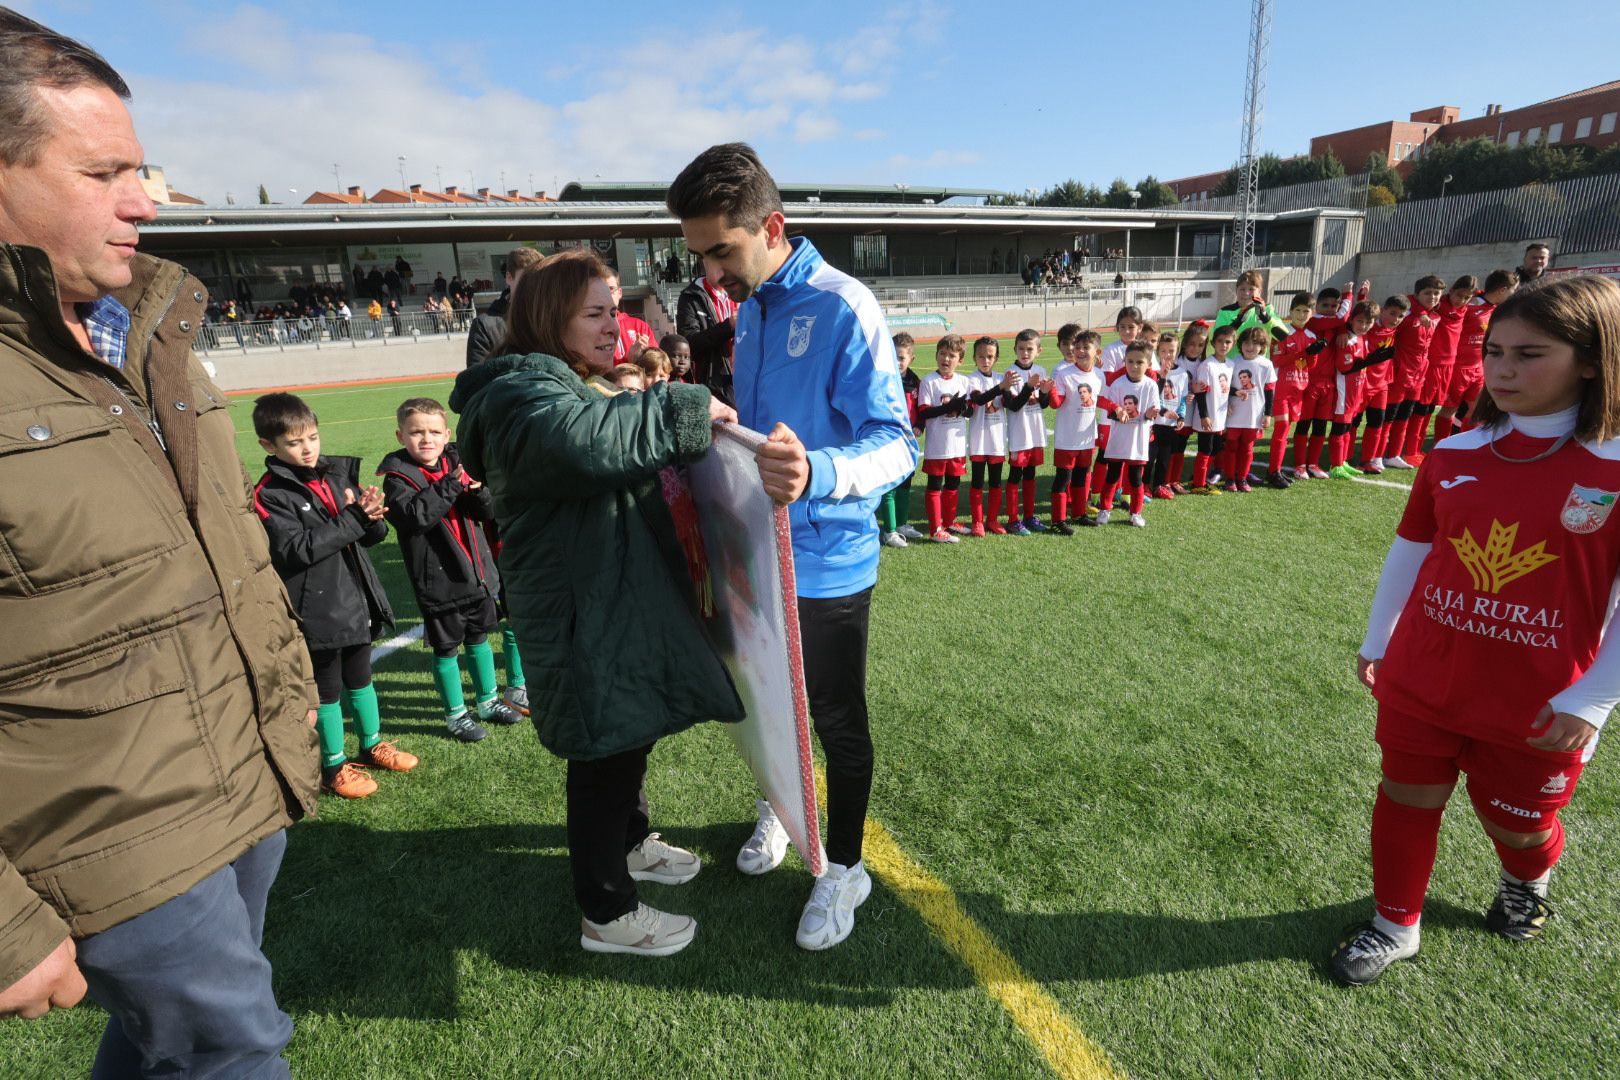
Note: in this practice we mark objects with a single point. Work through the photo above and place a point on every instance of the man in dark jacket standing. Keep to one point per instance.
(489, 329)
(155, 691)
(707, 318)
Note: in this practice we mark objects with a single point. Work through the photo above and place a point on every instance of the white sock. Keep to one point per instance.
(1535, 885)
(1401, 935)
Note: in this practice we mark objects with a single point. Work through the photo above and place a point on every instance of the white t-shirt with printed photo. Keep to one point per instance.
(1216, 375)
(944, 437)
(1075, 426)
(1247, 406)
(1132, 431)
(987, 424)
(1026, 427)
(1174, 403)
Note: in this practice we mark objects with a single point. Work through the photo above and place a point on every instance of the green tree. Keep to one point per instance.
(1379, 195)
(1380, 174)
(264, 196)
(1156, 192)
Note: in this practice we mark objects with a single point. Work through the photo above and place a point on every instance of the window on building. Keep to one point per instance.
(1513, 138)
(1333, 237)
(872, 254)
(1555, 133)
(1606, 125)
(1583, 127)
(1532, 136)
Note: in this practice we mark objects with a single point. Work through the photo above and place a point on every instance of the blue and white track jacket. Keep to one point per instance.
(813, 352)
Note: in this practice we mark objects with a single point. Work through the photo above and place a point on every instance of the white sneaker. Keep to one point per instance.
(1395, 462)
(764, 850)
(893, 539)
(644, 932)
(1102, 517)
(1377, 464)
(829, 915)
(1318, 473)
(654, 860)
(1138, 521)
(911, 532)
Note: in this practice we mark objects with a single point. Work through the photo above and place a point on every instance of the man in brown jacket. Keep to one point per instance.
(155, 693)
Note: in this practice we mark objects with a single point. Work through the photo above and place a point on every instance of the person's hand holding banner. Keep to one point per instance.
(784, 467)
(720, 412)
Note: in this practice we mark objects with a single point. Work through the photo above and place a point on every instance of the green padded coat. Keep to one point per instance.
(597, 586)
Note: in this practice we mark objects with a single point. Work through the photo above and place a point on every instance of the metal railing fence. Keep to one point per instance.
(327, 331)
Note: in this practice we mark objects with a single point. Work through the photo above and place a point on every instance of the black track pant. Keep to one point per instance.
(833, 634)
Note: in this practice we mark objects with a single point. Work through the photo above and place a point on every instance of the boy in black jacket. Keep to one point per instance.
(439, 511)
(320, 521)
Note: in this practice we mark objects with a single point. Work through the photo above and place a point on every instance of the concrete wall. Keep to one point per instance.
(1395, 272)
(305, 365)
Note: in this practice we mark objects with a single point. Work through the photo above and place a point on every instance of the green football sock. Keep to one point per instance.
(363, 707)
(329, 726)
(509, 653)
(902, 503)
(886, 520)
(447, 679)
(483, 672)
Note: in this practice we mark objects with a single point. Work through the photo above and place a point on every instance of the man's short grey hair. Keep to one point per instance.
(34, 56)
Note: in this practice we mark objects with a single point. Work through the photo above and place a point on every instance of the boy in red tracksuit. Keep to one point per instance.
(1376, 382)
(1412, 340)
(1468, 375)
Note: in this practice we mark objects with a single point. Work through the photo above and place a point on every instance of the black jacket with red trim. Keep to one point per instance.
(446, 572)
(322, 556)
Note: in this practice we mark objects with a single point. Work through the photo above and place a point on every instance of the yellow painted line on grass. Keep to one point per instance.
(1066, 1048)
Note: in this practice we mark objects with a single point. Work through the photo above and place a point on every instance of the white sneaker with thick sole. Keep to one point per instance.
(911, 532)
(893, 540)
(654, 860)
(644, 932)
(763, 852)
(829, 915)
(1138, 521)
(1396, 462)
(1103, 517)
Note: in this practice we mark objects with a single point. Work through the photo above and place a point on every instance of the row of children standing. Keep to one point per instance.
(1125, 414)
(321, 520)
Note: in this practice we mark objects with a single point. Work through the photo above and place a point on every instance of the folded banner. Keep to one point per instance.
(755, 627)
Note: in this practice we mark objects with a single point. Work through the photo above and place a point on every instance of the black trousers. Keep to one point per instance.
(337, 670)
(833, 633)
(607, 817)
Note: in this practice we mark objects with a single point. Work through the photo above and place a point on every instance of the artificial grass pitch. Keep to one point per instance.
(1139, 757)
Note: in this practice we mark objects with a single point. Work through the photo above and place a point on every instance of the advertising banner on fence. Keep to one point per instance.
(756, 629)
(1602, 271)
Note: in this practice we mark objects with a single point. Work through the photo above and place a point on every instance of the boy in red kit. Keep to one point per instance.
(1487, 646)
(1352, 355)
(1132, 398)
(1412, 339)
(1293, 358)
(1375, 384)
(942, 405)
(1076, 387)
(1468, 375)
(1442, 357)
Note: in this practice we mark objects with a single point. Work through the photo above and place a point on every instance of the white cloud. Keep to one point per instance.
(303, 97)
(938, 159)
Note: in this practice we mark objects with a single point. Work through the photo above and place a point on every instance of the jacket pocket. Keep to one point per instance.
(96, 754)
(77, 499)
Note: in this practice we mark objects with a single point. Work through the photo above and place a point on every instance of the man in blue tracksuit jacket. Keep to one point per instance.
(814, 366)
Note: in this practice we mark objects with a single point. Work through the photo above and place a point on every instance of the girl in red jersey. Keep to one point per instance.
(1354, 356)
(1468, 375)
(1375, 385)
(1486, 647)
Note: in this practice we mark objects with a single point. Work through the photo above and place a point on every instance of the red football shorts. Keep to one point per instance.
(1288, 400)
(1346, 410)
(982, 458)
(945, 466)
(1407, 385)
(1319, 401)
(1436, 383)
(1374, 399)
(1466, 384)
(1070, 459)
(1519, 786)
(1025, 459)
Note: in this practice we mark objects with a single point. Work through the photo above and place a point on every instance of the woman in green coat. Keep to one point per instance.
(596, 527)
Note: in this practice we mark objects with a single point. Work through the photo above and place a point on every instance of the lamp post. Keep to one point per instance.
(402, 186)
(902, 189)
(1443, 182)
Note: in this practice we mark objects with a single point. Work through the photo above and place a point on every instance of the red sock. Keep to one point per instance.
(1060, 505)
(1369, 444)
(1394, 437)
(976, 505)
(1404, 841)
(933, 500)
(1100, 469)
(1301, 437)
(1382, 444)
(1245, 455)
(1279, 445)
(1201, 470)
(952, 499)
(1109, 491)
(1338, 449)
(1313, 451)
(1082, 479)
(1416, 428)
(1178, 466)
(1224, 463)
(1029, 496)
(1136, 494)
(995, 502)
(1528, 864)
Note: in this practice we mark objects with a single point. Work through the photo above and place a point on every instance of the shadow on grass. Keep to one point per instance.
(372, 924)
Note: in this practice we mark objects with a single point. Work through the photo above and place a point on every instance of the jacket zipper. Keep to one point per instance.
(146, 366)
(151, 424)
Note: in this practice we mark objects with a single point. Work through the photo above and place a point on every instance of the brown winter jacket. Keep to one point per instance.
(153, 681)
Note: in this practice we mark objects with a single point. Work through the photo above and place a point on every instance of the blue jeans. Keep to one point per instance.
(186, 985)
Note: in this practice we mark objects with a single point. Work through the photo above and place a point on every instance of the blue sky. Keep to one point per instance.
(929, 92)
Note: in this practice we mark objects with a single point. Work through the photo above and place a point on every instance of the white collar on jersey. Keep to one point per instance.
(1549, 426)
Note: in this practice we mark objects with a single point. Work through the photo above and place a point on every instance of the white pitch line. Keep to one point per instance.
(1383, 483)
(397, 642)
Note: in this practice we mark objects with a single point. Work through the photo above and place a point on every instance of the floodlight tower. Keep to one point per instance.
(1248, 160)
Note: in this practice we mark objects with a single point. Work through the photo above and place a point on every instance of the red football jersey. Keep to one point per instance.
(1471, 342)
(1294, 365)
(1447, 332)
(629, 327)
(1412, 339)
(1377, 377)
(1512, 599)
